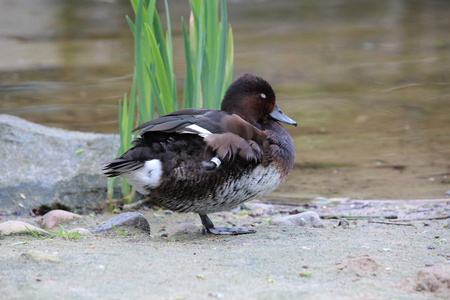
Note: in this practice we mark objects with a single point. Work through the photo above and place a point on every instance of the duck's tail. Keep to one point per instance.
(143, 176)
(121, 166)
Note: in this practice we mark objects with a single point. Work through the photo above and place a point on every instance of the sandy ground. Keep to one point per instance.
(363, 261)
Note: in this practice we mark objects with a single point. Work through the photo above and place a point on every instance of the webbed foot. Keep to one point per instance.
(208, 227)
(230, 230)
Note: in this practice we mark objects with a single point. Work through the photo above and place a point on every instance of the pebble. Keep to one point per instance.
(55, 217)
(308, 218)
(36, 255)
(262, 207)
(132, 219)
(344, 223)
(82, 231)
(18, 227)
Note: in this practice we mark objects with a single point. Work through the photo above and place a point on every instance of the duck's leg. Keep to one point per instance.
(208, 227)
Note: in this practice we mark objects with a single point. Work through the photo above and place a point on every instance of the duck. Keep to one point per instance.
(206, 161)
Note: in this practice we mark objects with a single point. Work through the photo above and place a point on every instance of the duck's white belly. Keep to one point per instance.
(261, 181)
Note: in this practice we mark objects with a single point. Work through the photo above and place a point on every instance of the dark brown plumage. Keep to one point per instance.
(205, 161)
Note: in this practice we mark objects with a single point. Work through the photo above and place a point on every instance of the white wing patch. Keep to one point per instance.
(147, 177)
(195, 129)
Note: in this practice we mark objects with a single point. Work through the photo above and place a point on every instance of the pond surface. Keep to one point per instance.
(367, 81)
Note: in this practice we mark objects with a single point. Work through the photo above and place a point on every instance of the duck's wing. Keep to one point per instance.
(226, 136)
(237, 138)
(202, 122)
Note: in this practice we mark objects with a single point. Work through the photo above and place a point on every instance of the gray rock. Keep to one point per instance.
(132, 219)
(40, 163)
(308, 218)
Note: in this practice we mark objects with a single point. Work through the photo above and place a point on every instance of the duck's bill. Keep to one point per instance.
(278, 115)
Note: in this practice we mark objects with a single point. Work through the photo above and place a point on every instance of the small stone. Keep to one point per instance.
(82, 231)
(344, 223)
(131, 219)
(55, 217)
(292, 220)
(18, 227)
(308, 218)
(41, 256)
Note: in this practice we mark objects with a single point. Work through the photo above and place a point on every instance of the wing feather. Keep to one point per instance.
(226, 136)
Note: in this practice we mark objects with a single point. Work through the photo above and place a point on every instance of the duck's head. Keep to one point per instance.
(253, 99)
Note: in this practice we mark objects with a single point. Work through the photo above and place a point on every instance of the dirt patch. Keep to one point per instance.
(435, 279)
(365, 260)
(361, 266)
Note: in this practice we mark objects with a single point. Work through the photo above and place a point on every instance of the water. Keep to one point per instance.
(367, 81)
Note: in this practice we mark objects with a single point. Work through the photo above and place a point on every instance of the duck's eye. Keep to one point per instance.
(263, 96)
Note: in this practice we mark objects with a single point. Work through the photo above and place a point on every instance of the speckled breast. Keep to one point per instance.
(217, 193)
